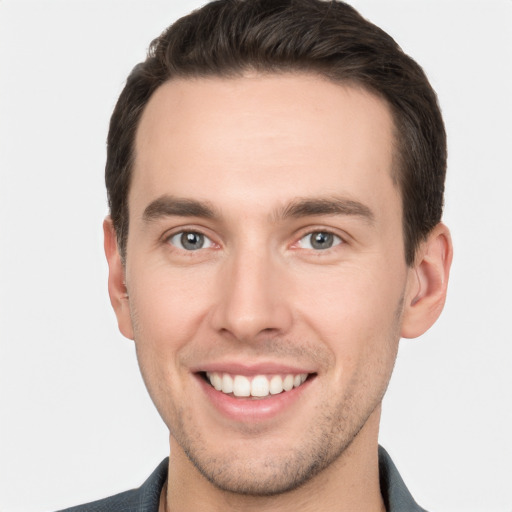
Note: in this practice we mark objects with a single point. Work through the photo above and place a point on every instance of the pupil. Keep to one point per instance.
(192, 241)
(322, 240)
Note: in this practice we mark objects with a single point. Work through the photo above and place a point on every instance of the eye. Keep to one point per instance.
(190, 241)
(319, 241)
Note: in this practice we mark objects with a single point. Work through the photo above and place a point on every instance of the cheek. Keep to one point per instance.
(168, 303)
(166, 311)
(348, 297)
(354, 311)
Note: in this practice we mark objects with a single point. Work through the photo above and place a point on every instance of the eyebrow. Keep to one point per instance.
(168, 206)
(308, 207)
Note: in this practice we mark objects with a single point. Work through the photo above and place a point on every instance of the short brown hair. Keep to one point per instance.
(328, 38)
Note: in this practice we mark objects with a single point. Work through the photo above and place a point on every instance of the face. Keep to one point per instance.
(265, 272)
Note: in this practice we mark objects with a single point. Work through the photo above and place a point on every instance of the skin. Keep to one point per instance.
(258, 293)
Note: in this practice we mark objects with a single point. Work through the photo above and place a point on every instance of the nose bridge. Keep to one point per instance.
(251, 299)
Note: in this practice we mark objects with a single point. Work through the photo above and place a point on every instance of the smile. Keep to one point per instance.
(259, 386)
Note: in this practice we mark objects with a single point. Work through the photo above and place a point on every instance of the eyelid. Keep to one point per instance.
(342, 237)
(207, 242)
(308, 230)
(179, 230)
(337, 240)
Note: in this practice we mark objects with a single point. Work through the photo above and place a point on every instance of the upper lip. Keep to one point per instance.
(251, 369)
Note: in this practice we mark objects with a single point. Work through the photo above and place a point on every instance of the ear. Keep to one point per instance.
(428, 282)
(116, 280)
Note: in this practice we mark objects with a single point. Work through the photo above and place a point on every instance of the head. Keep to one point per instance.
(328, 39)
(275, 175)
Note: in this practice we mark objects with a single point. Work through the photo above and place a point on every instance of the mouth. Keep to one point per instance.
(255, 394)
(257, 386)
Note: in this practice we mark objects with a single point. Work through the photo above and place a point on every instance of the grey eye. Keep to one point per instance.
(319, 240)
(190, 240)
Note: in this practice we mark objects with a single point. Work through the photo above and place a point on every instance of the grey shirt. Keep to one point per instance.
(147, 497)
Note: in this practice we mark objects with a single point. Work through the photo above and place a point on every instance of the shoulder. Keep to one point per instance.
(143, 499)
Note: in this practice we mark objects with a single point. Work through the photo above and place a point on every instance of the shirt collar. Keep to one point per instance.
(397, 497)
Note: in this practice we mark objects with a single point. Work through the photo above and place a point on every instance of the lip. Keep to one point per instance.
(249, 409)
(251, 370)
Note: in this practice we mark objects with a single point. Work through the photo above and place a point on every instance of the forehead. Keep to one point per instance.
(217, 138)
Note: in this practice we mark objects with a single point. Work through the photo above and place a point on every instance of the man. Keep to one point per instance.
(275, 174)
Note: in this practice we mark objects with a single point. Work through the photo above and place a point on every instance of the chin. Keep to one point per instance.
(268, 477)
(268, 468)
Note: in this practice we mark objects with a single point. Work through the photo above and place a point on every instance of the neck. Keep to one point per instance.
(351, 483)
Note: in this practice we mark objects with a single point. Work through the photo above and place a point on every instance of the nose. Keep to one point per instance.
(252, 297)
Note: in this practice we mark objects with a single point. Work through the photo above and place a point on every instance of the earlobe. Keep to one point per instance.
(428, 284)
(116, 280)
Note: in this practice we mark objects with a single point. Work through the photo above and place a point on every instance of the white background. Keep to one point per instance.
(76, 423)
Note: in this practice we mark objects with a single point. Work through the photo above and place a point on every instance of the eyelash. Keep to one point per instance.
(178, 238)
(335, 239)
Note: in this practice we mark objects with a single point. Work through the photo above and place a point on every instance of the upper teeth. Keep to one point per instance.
(259, 385)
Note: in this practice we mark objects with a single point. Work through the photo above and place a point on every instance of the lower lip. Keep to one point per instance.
(250, 410)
